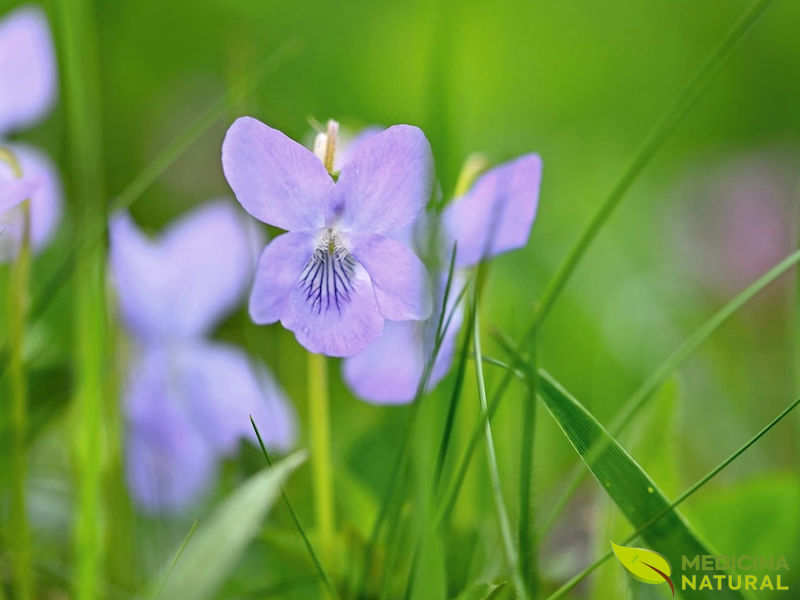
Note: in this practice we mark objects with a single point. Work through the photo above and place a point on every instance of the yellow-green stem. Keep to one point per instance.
(92, 362)
(20, 542)
(322, 472)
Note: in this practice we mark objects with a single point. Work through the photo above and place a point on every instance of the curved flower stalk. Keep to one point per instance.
(28, 84)
(188, 399)
(340, 270)
(494, 216)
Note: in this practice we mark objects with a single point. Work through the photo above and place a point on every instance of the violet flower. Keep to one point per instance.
(27, 92)
(495, 216)
(339, 272)
(188, 400)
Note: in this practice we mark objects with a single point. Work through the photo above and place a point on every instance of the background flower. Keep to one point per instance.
(338, 273)
(28, 90)
(188, 400)
(495, 216)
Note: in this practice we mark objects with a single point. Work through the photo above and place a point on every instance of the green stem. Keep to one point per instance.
(502, 515)
(82, 93)
(322, 472)
(569, 585)
(20, 542)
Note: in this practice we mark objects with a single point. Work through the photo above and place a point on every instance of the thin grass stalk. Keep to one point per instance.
(174, 561)
(402, 454)
(19, 528)
(569, 585)
(660, 133)
(306, 541)
(83, 116)
(526, 534)
(494, 474)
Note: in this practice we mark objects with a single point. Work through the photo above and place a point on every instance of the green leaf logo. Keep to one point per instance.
(645, 565)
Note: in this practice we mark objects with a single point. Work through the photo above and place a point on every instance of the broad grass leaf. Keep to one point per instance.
(628, 485)
(218, 543)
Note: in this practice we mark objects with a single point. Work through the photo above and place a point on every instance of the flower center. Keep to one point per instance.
(327, 278)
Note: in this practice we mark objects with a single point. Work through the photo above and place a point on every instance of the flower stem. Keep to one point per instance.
(322, 472)
(92, 364)
(17, 313)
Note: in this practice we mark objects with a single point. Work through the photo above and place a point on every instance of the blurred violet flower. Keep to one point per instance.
(340, 271)
(188, 400)
(27, 92)
(493, 217)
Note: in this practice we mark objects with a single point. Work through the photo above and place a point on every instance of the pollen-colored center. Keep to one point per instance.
(327, 279)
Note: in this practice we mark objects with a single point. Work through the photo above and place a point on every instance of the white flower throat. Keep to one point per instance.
(328, 278)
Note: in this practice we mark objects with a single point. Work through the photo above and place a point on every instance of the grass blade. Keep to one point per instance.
(220, 541)
(402, 453)
(320, 570)
(175, 559)
(564, 589)
(625, 482)
(502, 515)
(527, 543)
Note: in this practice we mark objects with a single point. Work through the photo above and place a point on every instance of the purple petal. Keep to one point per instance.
(348, 148)
(187, 405)
(497, 213)
(275, 179)
(221, 389)
(336, 325)
(12, 192)
(27, 68)
(389, 370)
(278, 271)
(40, 183)
(169, 463)
(168, 469)
(386, 183)
(180, 285)
(402, 288)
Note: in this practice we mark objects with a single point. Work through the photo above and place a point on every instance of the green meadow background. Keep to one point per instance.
(579, 82)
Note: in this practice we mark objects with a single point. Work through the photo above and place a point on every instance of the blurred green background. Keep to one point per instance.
(581, 83)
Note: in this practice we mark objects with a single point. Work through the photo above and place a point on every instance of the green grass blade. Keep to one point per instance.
(402, 453)
(641, 531)
(502, 514)
(220, 541)
(626, 483)
(315, 559)
(455, 396)
(525, 534)
(174, 561)
(646, 390)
